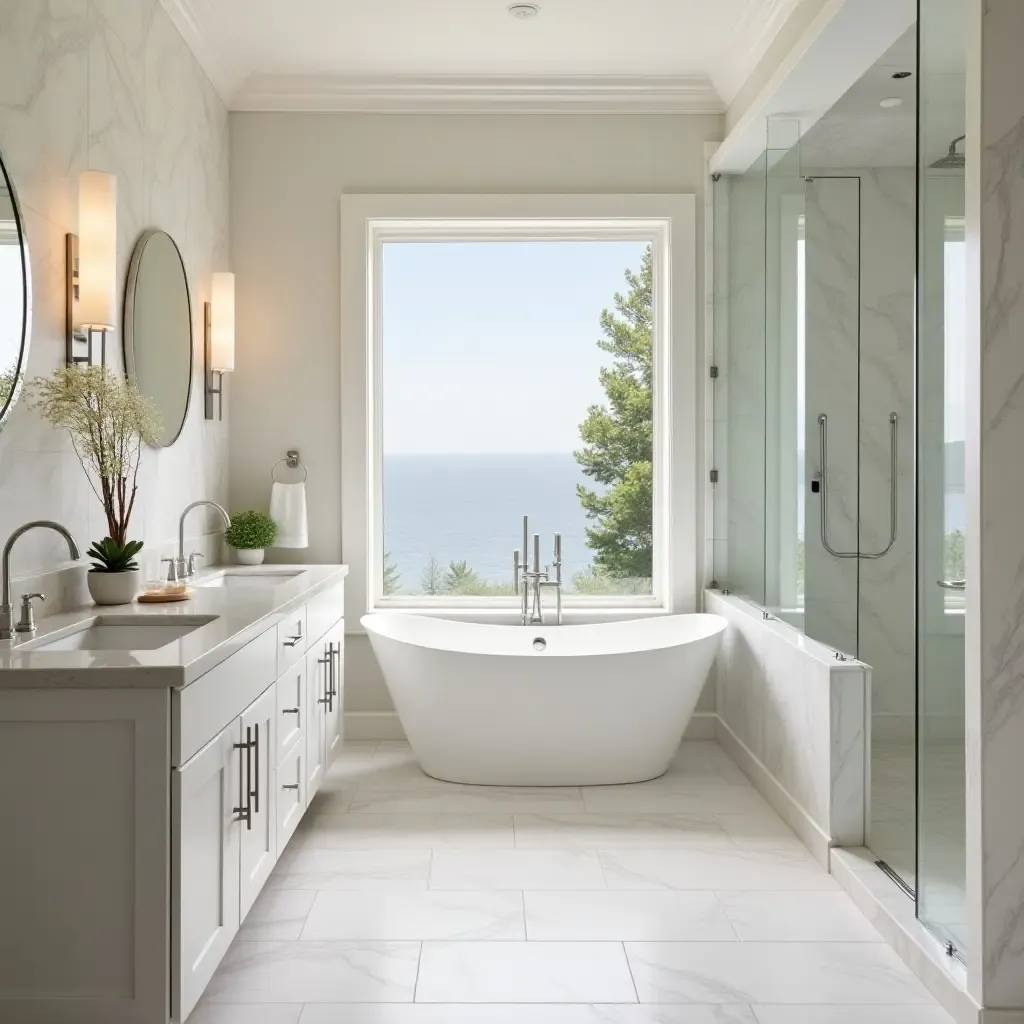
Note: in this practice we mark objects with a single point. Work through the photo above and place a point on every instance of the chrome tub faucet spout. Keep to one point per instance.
(530, 583)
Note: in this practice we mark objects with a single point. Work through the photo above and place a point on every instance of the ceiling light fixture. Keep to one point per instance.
(523, 11)
(890, 101)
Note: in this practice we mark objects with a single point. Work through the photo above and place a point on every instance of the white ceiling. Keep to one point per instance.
(371, 54)
(858, 132)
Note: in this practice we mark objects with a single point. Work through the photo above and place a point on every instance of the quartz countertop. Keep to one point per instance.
(241, 616)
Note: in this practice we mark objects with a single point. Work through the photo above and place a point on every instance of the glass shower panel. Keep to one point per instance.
(832, 243)
(740, 388)
(784, 374)
(941, 521)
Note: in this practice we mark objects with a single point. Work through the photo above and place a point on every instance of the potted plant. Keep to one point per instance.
(108, 420)
(249, 534)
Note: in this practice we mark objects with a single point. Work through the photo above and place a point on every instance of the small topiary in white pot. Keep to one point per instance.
(250, 533)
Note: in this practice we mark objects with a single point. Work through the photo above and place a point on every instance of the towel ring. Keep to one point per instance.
(292, 459)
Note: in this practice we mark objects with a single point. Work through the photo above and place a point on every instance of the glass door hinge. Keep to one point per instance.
(713, 371)
(714, 476)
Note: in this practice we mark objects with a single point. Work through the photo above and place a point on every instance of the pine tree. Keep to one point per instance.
(618, 437)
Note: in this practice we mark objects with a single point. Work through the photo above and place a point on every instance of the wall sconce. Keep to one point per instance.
(219, 340)
(91, 266)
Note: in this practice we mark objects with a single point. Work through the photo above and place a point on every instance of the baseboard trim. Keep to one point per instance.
(373, 725)
(385, 725)
(783, 802)
(892, 913)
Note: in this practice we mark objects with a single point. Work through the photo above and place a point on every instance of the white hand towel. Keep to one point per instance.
(288, 510)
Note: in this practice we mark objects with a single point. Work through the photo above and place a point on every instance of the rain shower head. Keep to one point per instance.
(952, 160)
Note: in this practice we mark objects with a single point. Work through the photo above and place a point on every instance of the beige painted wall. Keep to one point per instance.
(288, 172)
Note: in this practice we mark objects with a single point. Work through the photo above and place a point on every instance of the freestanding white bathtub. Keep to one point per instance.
(545, 705)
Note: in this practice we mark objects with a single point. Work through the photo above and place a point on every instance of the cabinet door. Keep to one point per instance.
(258, 836)
(318, 683)
(206, 794)
(334, 717)
(291, 794)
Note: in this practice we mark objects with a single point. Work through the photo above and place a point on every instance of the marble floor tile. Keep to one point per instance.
(675, 794)
(246, 1013)
(316, 972)
(277, 914)
(516, 869)
(387, 916)
(706, 757)
(850, 1015)
(759, 829)
(796, 917)
(626, 916)
(524, 972)
(352, 869)
(713, 869)
(859, 973)
(597, 831)
(424, 795)
(404, 831)
(496, 1013)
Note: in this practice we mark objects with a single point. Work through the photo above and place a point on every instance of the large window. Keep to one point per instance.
(519, 366)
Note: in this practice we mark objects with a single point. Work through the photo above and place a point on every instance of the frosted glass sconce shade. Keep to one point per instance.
(222, 323)
(97, 251)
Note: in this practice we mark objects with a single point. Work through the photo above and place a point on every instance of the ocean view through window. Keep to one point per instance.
(549, 413)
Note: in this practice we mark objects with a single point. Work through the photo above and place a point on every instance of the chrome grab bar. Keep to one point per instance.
(893, 491)
(952, 584)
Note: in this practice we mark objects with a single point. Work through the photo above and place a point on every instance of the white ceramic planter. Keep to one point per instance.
(249, 556)
(113, 587)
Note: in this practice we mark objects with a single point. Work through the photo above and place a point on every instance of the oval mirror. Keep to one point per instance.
(158, 330)
(15, 297)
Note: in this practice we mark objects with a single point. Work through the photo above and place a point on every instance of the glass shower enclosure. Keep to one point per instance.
(838, 442)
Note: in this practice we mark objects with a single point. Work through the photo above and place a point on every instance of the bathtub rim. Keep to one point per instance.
(716, 624)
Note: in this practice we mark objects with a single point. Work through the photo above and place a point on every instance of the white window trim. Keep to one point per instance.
(367, 220)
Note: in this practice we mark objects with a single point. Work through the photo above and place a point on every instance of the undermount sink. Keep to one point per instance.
(137, 634)
(249, 580)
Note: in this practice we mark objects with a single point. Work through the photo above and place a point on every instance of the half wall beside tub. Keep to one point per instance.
(794, 718)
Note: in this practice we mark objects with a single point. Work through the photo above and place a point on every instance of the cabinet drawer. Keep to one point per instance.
(324, 610)
(291, 794)
(291, 709)
(291, 639)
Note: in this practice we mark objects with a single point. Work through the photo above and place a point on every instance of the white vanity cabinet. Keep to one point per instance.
(151, 804)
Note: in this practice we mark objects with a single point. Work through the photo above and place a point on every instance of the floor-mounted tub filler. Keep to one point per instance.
(581, 705)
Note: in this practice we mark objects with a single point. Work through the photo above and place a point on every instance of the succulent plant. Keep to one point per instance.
(109, 556)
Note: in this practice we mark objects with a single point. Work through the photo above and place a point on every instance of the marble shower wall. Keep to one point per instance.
(109, 85)
(794, 719)
(995, 492)
(861, 244)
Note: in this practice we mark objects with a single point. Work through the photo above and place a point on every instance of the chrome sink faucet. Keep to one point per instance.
(183, 568)
(27, 623)
(529, 583)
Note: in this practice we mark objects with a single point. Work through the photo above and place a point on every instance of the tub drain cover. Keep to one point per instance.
(539, 643)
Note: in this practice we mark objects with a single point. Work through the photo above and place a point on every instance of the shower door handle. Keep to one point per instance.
(952, 584)
(893, 491)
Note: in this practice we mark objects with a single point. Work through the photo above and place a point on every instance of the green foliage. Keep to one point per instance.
(109, 556)
(392, 578)
(432, 578)
(595, 582)
(108, 420)
(251, 529)
(8, 382)
(618, 437)
(460, 579)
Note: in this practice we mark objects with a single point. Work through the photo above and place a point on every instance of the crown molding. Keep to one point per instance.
(186, 17)
(411, 94)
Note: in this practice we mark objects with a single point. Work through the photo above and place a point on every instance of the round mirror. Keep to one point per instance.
(158, 330)
(15, 297)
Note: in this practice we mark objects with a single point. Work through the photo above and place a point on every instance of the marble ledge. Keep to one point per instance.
(238, 616)
(784, 631)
